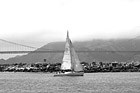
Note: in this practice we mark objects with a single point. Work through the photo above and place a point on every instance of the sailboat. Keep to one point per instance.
(70, 63)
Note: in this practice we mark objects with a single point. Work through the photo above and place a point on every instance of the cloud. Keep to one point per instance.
(47, 21)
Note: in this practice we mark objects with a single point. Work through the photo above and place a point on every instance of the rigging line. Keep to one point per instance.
(17, 44)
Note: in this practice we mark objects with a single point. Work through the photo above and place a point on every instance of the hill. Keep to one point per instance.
(125, 50)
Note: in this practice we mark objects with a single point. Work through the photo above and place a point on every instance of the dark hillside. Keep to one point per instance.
(122, 50)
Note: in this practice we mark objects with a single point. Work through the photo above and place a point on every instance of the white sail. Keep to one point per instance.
(70, 58)
(66, 62)
(75, 61)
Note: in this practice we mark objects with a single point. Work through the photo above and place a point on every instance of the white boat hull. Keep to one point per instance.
(70, 74)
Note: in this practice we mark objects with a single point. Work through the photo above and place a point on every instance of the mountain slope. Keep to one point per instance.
(127, 46)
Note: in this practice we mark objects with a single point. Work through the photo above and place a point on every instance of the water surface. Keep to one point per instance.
(21, 82)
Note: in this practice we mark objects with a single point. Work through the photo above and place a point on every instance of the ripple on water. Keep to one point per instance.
(90, 83)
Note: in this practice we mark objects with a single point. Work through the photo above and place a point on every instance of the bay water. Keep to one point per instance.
(21, 82)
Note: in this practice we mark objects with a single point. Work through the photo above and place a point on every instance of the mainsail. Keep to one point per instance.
(66, 62)
(70, 59)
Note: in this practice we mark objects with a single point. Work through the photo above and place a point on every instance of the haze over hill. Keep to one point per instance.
(125, 50)
(48, 20)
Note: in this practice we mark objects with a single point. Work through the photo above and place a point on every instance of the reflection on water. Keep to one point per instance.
(91, 83)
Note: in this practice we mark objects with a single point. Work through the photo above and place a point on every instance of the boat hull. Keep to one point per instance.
(69, 74)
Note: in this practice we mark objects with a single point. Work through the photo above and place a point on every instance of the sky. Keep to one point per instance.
(38, 22)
